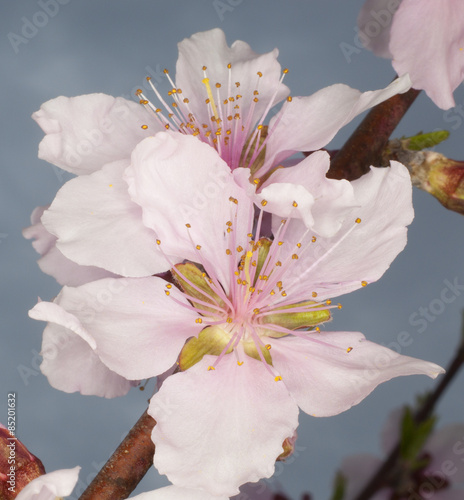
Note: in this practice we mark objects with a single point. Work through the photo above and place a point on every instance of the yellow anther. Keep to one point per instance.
(237, 84)
(167, 126)
(255, 310)
(259, 74)
(278, 378)
(263, 203)
(272, 292)
(295, 204)
(255, 181)
(143, 101)
(204, 68)
(218, 85)
(278, 263)
(186, 100)
(169, 286)
(250, 235)
(229, 320)
(233, 200)
(339, 306)
(148, 78)
(294, 256)
(284, 293)
(211, 368)
(255, 99)
(138, 91)
(298, 245)
(198, 247)
(289, 98)
(165, 71)
(110, 185)
(144, 127)
(363, 283)
(280, 243)
(158, 242)
(358, 220)
(314, 294)
(239, 363)
(279, 284)
(285, 71)
(167, 292)
(228, 252)
(313, 239)
(198, 320)
(328, 302)
(229, 66)
(349, 349)
(239, 249)
(255, 92)
(188, 225)
(268, 347)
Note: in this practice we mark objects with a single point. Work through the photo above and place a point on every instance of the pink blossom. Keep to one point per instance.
(97, 135)
(242, 319)
(425, 38)
(443, 467)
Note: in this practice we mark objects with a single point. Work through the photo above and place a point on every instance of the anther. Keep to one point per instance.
(198, 247)
(268, 347)
(358, 220)
(363, 283)
(239, 363)
(278, 378)
(349, 349)
(211, 368)
(263, 203)
(295, 204)
(144, 127)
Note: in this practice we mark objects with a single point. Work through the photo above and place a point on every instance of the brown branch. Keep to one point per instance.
(127, 466)
(423, 413)
(365, 146)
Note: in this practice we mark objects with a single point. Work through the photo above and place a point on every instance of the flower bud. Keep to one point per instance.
(19, 467)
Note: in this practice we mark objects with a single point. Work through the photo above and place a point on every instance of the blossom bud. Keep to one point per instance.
(19, 467)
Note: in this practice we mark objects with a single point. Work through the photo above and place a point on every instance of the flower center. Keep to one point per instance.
(226, 122)
(259, 306)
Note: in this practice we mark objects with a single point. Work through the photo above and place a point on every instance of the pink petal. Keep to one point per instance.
(328, 379)
(180, 181)
(85, 132)
(52, 261)
(210, 49)
(98, 225)
(49, 486)
(358, 252)
(446, 447)
(176, 493)
(322, 202)
(309, 123)
(374, 22)
(137, 329)
(69, 361)
(427, 41)
(219, 429)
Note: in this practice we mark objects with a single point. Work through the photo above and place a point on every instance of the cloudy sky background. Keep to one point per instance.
(87, 46)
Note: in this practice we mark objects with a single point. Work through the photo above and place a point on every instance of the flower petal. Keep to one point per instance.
(306, 182)
(53, 262)
(218, 429)
(326, 377)
(176, 493)
(309, 123)
(59, 483)
(358, 252)
(427, 41)
(85, 132)
(69, 361)
(444, 446)
(180, 182)
(210, 49)
(374, 22)
(98, 225)
(138, 331)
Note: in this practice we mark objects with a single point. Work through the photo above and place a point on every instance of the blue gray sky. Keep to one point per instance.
(50, 48)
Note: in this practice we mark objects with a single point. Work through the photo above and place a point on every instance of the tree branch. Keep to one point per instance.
(365, 146)
(127, 466)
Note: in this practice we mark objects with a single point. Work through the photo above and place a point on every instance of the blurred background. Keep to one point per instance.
(70, 47)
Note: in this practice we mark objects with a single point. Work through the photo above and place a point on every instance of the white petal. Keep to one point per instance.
(221, 428)
(176, 493)
(98, 225)
(180, 181)
(136, 329)
(69, 362)
(309, 123)
(53, 262)
(85, 132)
(326, 378)
(210, 49)
(49, 486)
(358, 252)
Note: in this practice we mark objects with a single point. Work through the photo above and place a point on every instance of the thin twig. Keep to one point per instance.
(127, 466)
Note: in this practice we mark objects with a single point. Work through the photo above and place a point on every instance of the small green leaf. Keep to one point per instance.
(423, 141)
(414, 435)
(339, 487)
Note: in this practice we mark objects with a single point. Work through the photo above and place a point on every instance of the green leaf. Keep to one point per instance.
(422, 141)
(339, 487)
(413, 436)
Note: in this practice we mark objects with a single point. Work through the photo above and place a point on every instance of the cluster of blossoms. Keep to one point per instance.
(257, 245)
